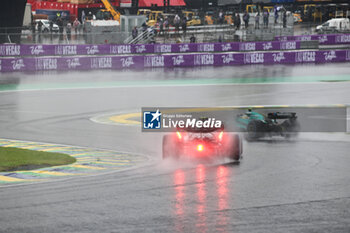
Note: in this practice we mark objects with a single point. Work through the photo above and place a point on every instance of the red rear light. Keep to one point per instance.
(220, 135)
(200, 147)
(178, 134)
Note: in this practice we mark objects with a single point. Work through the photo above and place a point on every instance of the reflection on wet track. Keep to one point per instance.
(222, 175)
(211, 194)
(201, 198)
(179, 189)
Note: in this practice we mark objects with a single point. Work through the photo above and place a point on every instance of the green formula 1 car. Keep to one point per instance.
(257, 125)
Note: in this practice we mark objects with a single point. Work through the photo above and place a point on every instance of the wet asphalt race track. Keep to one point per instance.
(295, 186)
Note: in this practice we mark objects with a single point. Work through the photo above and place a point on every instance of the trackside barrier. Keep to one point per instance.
(11, 50)
(281, 43)
(328, 39)
(170, 60)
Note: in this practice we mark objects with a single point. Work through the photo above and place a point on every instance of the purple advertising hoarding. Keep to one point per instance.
(281, 43)
(169, 61)
(14, 50)
(329, 39)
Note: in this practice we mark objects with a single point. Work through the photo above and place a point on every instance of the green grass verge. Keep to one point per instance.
(22, 159)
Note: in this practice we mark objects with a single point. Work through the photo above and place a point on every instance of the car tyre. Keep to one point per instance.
(255, 130)
(235, 147)
(291, 128)
(170, 147)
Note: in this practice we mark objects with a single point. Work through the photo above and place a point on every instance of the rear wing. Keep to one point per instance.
(282, 115)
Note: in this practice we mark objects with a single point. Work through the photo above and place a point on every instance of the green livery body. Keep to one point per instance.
(244, 119)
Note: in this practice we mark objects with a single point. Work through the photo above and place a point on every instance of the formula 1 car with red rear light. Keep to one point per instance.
(202, 143)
